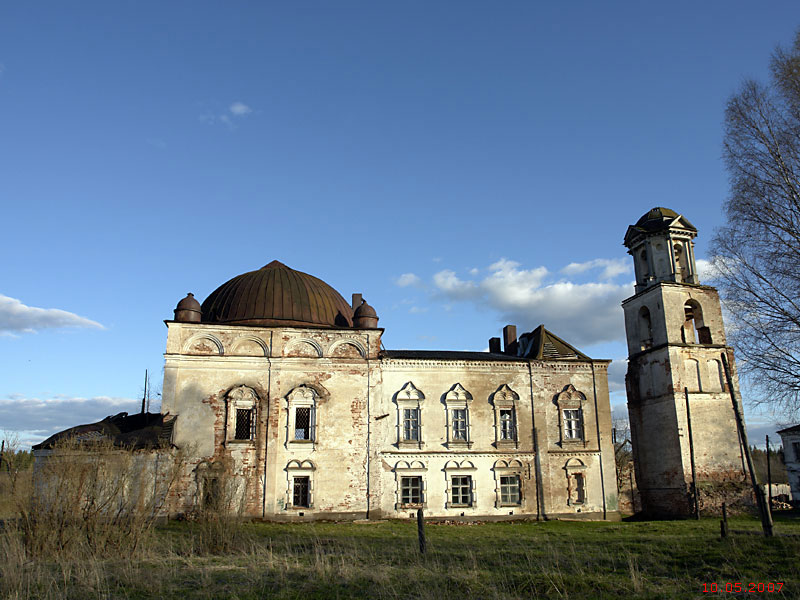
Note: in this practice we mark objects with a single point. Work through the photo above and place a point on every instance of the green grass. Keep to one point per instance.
(557, 559)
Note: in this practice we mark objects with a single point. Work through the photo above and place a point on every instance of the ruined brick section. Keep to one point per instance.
(343, 455)
(676, 339)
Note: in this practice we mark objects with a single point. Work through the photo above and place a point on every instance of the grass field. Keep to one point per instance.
(554, 559)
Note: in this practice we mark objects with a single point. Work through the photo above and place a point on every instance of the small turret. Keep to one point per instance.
(365, 317)
(188, 310)
(662, 248)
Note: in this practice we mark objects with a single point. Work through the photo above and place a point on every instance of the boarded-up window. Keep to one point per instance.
(692, 368)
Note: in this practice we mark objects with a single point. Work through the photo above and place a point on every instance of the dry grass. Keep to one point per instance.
(91, 534)
(339, 560)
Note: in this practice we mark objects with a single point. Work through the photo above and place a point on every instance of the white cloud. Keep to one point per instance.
(616, 374)
(36, 419)
(408, 279)
(451, 286)
(240, 109)
(611, 267)
(582, 313)
(235, 112)
(16, 317)
(417, 310)
(706, 270)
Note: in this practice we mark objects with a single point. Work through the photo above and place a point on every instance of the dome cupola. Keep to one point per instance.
(188, 310)
(365, 317)
(276, 295)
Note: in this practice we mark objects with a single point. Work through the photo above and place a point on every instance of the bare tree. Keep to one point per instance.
(758, 250)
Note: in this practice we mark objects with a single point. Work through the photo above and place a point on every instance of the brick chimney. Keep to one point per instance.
(510, 339)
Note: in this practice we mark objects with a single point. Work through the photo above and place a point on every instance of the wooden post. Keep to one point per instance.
(695, 495)
(763, 509)
(769, 478)
(421, 531)
(723, 525)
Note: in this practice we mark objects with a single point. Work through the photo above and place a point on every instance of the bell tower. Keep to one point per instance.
(676, 339)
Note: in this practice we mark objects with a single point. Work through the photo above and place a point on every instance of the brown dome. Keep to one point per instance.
(277, 295)
(188, 309)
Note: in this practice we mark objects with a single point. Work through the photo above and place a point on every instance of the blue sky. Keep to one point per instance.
(463, 165)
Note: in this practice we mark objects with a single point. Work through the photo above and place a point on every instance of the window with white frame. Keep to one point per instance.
(301, 491)
(411, 425)
(409, 416)
(509, 490)
(508, 481)
(459, 422)
(460, 484)
(505, 401)
(508, 431)
(570, 403)
(302, 423)
(241, 410)
(302, 416)
(457, 401)
(300, 480)
(411, 490)
(244, 424)
(573, 424)
(410, 479)
(461, 490)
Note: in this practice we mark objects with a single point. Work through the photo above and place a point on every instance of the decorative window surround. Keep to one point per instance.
(576, 482)
(465, 468)
(504, 469)
(403, 470)
(571, 424)
(302, 418)
(409, 398)
(241, 405)
(506, 429)
(297, 469)
(456, 403)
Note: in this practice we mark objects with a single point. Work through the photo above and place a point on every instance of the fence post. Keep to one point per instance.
(421, 531)
(723, 525)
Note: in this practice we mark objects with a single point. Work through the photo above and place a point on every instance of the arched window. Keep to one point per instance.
(693, 379)
(715, 376)
(694, 330)
(644, 267)
(241, 410)
(645, 328)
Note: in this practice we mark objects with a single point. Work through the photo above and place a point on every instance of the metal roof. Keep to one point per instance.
(142, 430)
(277, 295)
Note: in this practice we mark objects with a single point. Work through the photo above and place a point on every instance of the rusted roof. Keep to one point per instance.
(541, 344)
(449, 355)
(142, 430)
(277, 295)
(657, 219)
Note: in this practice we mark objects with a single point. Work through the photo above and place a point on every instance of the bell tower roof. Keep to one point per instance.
(656, 220)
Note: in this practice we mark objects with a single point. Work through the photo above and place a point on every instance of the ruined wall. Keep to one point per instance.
(204, 363)
(545, 463)
(356, 455)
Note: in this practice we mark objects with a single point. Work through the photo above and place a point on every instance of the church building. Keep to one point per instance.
(284, 385)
